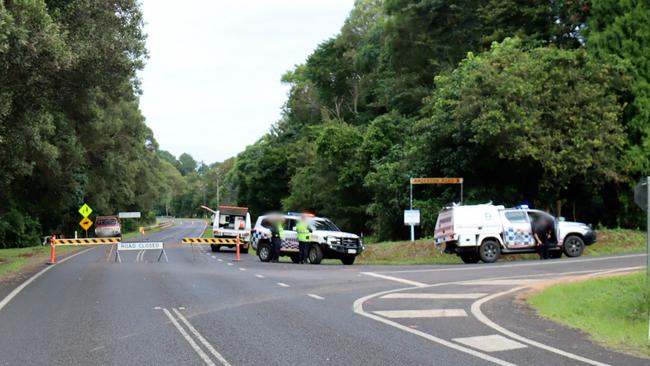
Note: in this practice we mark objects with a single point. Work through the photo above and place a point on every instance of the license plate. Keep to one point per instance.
(352, 251)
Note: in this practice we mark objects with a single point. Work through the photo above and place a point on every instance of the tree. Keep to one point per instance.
(186, 164)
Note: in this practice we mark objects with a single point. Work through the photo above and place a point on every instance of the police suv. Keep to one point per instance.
(484, 232)
(327, 240)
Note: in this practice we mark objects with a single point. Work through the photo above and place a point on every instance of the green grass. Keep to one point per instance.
(613, 310)
(610, 241)
(14, 259)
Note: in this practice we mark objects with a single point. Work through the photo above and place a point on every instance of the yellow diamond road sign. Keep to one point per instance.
(85, 223)
(85, 210)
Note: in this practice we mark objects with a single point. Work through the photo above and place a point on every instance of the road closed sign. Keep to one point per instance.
(140, 246)
(411, 217)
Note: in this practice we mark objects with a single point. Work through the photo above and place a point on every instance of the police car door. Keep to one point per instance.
(290, 242)
(517, 231)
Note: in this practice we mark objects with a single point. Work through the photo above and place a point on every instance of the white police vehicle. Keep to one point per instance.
(484, 232)
(328, 241)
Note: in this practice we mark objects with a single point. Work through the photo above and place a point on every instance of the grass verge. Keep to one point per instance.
(613, 310)
(610, 241)
(15, 259)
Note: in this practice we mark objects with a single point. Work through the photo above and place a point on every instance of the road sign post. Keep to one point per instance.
(445, 180)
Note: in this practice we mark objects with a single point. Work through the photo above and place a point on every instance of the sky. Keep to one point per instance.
(211, 85)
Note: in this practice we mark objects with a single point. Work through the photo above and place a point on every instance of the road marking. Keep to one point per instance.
(230, 264)
(491, 343)
(316, 296)
(396, 279)
(471, 296)
(428, 313)
(501, 282)
(476, 311)
(242, 269)
(536, 263)
(259, 276)
(220, 260)
(189, 339)
(201, 339)
(17, 290)
(358, 309)
(282, 284)
(213, 256)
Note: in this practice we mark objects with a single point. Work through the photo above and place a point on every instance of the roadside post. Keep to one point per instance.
(412, 218)
(237, 248)
(641, 198)
(412, 181)
(52, 249)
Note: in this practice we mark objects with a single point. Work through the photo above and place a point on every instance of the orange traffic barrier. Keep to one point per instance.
(53, 249)
(237, 248)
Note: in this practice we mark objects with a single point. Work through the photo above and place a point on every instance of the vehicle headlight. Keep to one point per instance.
(331, 240)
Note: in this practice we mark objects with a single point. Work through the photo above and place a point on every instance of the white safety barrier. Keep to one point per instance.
(141, 246)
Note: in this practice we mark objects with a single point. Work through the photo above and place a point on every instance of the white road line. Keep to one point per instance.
(259, 276)
(242, 269)
(201, 339)
(282, 284)
(314, 296)
(17, 290)
(396, 279)
(220, 260)
(189, 339)
(358, 308)
(514, 282)
(213, 256)
(230, 264)
(476, 311)
(470, 296)
(490, 343)
(535, 263)
(428, 313)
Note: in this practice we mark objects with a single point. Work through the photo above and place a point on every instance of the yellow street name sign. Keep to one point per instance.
(436, 180)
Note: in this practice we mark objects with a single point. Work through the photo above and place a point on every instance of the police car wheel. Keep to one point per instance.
(470, 258)
(264, 252)
(315, 254)
(489, 251)
(573, 246)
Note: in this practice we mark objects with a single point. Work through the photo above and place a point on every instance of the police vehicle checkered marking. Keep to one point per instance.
(518, 237)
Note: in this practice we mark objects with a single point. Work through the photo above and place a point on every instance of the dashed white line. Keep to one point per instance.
(427, 313)
(259, 276)
(230, 264)
(213, 256)
(500, 282)
(282, 284)
(314, 296)
(220, 260)
(242, 269)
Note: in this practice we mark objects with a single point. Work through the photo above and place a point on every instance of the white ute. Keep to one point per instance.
(230, 222)
(484, 232)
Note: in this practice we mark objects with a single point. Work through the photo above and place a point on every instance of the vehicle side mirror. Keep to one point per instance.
(561, 218)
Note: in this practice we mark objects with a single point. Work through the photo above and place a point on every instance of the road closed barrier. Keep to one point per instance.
(193, 241)
(140, 247)
(54, 242)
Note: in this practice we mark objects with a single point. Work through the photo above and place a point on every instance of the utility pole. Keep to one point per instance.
(218, 192)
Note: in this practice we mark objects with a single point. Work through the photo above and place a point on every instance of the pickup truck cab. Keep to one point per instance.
(327, 240)
(229, 222)
(485, 232)
(108, 227)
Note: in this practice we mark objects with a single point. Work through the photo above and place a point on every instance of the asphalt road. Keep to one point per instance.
(203, 308)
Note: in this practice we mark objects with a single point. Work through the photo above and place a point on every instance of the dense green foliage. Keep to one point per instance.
(543, 102)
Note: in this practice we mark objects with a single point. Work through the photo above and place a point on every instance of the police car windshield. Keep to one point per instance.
(323, 225)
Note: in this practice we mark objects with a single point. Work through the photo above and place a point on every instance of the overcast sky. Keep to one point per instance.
(212, 83)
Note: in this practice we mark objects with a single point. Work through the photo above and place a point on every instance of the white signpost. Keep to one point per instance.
(412, 219)
(129, 215)
(139, 247)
